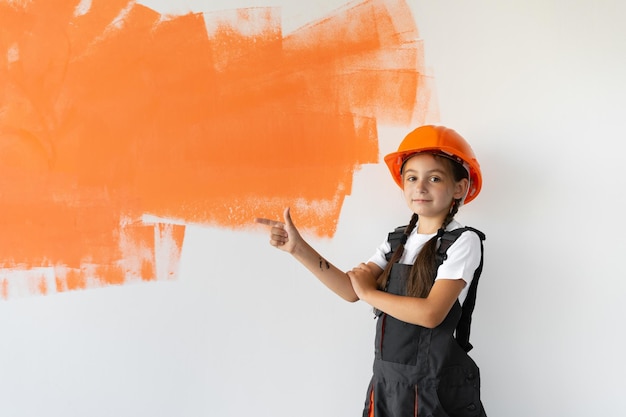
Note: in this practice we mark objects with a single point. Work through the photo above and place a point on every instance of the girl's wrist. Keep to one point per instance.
(366, 295)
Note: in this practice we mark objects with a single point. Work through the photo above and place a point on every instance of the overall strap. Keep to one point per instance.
(394, 238)
(463, 327)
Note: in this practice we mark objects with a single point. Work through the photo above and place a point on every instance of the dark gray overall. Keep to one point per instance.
(425, 372)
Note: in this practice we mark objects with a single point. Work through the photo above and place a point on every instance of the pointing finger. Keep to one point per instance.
(269, 222)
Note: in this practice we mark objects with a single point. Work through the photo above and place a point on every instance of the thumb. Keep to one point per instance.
(287, 216)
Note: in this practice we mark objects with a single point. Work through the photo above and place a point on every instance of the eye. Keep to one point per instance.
(410, 178)
(435, 178)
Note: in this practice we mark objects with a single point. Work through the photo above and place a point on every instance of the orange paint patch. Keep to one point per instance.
(113, 113)
(4, 289)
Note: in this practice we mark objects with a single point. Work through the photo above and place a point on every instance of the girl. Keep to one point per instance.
(421, 282)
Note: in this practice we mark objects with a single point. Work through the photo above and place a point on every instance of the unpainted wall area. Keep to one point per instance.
(537, 87)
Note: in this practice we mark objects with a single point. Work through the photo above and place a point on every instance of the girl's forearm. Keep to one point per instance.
(408, 309)
(331, 276)
(428, 312)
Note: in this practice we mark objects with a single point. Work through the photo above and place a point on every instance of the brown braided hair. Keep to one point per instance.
(424, 270)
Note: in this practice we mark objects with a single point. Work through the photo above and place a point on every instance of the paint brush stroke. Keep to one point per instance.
(111, 113)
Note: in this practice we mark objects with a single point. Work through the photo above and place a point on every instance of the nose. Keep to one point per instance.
(421, 185)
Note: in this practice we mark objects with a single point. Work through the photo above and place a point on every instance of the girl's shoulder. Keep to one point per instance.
(456, 229)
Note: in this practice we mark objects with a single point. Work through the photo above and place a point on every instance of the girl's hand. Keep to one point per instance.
(284, 236)
(363, 280)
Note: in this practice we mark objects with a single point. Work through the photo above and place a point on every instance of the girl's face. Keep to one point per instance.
(429, 186)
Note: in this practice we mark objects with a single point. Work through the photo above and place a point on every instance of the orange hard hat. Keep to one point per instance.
(438, 140)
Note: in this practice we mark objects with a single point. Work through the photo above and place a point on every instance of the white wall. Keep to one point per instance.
(538, 89)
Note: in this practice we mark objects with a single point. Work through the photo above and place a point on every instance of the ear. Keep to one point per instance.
(460, 188)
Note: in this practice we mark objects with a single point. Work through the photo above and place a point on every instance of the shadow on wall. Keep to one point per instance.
(120, 125)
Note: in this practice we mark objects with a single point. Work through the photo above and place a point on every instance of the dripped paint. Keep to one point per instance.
(119, 126)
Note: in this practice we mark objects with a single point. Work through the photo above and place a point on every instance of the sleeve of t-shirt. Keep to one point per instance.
(379, 256)
(463, 258)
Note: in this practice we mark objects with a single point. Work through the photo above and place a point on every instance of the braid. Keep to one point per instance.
(453, 210)
(397, 254)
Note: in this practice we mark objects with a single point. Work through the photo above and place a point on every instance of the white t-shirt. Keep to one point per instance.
(461, 263)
